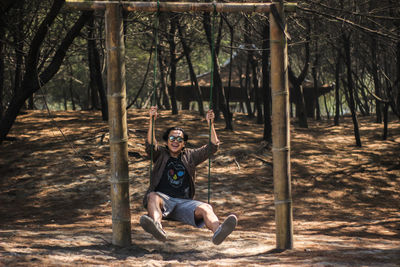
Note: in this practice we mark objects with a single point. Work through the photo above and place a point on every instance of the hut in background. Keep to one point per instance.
(241, 89)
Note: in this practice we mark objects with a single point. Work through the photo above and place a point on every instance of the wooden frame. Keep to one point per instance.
(117, 105)
(177, 6)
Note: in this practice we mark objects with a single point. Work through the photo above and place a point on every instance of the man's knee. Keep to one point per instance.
(204, 209)
(153, 197)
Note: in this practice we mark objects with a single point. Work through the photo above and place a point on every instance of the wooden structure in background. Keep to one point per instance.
(186, 94)
(185, 90)
(116, 95)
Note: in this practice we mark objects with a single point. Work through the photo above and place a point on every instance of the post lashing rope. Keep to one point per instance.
(211, 98)
(153, 99)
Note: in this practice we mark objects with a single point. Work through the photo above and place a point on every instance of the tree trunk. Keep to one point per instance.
(346, 42)
(358, 102)
(257, 97)
(314, 112)
(31, 104)
(373, 45)
(266, 89)
(363, 102)
(378, 105)
(163, 100)
(71, 87)
(164, 96)
(2, 50)
(385, 121)
(211, 42)
(221, 95)
(193, 78)
(337, 88)
(32, 81)
(96, 77)
(317, 111)
(299, 99)
(72, 97)
(328, 115)
(297, 86)
(19, 49)
(397, 85)
(174, 61)
(94, 98)
(65, 98)
(229, 89)
(250, 113)
(247, 40)
(218, 93)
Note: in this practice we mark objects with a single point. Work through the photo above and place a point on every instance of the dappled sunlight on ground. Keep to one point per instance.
(55, 207)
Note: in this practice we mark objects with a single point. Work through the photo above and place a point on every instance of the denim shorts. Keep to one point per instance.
(181, 210)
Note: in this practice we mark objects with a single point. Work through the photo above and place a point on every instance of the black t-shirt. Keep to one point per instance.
(175, 180)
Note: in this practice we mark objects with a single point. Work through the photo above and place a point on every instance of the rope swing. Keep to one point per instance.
(210, 100)
(153, 99)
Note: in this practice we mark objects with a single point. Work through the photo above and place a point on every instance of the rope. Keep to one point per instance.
(153, 101)
(210, 101)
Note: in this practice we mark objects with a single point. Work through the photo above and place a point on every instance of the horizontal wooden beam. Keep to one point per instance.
(177, 6)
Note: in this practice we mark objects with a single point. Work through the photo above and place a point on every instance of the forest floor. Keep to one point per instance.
(55, 206)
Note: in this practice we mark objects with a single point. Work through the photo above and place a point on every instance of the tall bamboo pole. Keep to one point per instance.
(281, 130)
(121, 218)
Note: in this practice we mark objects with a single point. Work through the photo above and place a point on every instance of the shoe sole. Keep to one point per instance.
(149, 226)
(225, 229)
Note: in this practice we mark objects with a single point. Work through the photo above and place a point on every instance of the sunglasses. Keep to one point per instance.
(175, 138)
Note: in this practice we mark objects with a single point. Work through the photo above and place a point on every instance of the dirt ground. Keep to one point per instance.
(55, 206)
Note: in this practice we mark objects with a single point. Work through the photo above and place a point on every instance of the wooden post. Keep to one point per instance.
(121, 218)
(281, 130)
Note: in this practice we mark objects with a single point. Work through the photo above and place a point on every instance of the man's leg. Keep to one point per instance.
(152, 222)
(205, 212)
(221, 231)
(154, 206)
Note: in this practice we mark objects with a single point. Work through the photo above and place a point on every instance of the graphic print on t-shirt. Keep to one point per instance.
(175, 179)
(176, 173)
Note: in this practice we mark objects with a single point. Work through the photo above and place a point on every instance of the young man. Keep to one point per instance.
(171, 191)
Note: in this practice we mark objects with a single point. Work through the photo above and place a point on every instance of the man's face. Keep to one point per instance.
(175, 142)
